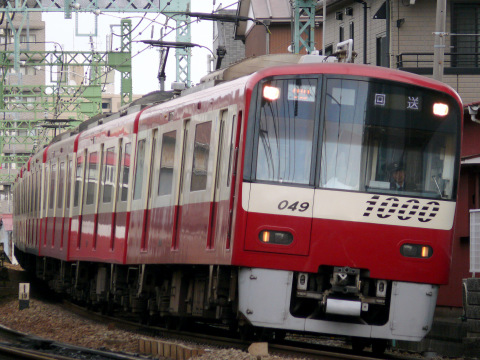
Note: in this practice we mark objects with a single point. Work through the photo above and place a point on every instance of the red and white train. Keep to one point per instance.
(268, 201)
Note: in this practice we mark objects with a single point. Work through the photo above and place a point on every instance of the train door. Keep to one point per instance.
(76, 222)
(44, 198)
(68, 201)
(220, 213)
(51, 208)
(141, 187)
(90, 199)
(163, 192)
(181, 182)
(108, 194)
(60, 203)
(197, 187)
(38, 209)
(122, 206)
(29, 208)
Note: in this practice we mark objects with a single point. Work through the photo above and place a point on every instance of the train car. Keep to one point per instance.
(311, 197)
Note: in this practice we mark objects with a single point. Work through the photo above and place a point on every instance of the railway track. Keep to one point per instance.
(24, 346)
(209, 336)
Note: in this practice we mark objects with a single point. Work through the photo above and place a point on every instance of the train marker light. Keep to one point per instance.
(416, 251)
(271, 93)
(275, 237)
(266, 236)
(440, 109)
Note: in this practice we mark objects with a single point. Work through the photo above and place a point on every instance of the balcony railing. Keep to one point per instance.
(454, 63)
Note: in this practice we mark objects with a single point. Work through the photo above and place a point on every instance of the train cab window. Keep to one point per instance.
(389, 139)
(61, 183)
(52, 186)
(201, 152)
(109, 170)
(78, 181)
(165, 180)
(126, 171)
(286, 119)
(140, 162)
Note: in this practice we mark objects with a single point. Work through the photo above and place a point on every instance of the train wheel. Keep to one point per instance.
(171, 322)
(246, 332)
(280, 335)
(379, 346)
(359, 344)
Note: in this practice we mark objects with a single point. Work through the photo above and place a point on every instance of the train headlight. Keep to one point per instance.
(440, 109)
(416, 251)
(275, 237)
(271, 93)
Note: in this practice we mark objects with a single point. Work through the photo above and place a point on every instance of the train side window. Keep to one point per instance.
(52, 185)
(140, 162)
(201, 153)
(69, 184)
(78, 181)
(165, 180)
(61, 182)
(92, 177)
(109, 174)
(232, 150)
(126, 171)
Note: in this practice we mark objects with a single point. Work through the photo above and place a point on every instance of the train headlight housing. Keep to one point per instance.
(416, 251)
(440, 109)
(271, 93)
(275, 237)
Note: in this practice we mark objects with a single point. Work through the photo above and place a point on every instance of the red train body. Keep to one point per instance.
(265, 201)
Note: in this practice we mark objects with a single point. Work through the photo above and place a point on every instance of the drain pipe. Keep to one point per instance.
(365, 7)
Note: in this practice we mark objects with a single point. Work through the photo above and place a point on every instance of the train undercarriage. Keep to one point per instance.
(177, 295)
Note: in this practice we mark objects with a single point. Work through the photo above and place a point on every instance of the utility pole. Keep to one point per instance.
(439, 45)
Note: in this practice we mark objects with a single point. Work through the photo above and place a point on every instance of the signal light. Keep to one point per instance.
(440, 109)
(416, 251)
(271, 93)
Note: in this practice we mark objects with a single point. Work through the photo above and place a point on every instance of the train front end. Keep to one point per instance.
(347, 201)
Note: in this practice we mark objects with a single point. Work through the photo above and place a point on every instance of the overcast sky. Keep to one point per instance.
(145, 59)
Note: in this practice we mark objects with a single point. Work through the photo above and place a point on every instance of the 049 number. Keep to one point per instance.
(285, 205)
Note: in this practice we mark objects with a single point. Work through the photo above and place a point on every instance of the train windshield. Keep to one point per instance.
(368, 136)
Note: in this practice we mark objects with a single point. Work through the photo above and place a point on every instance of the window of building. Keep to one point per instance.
(382, 52)
(341, 33)
(351, 28)
(466, 48)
